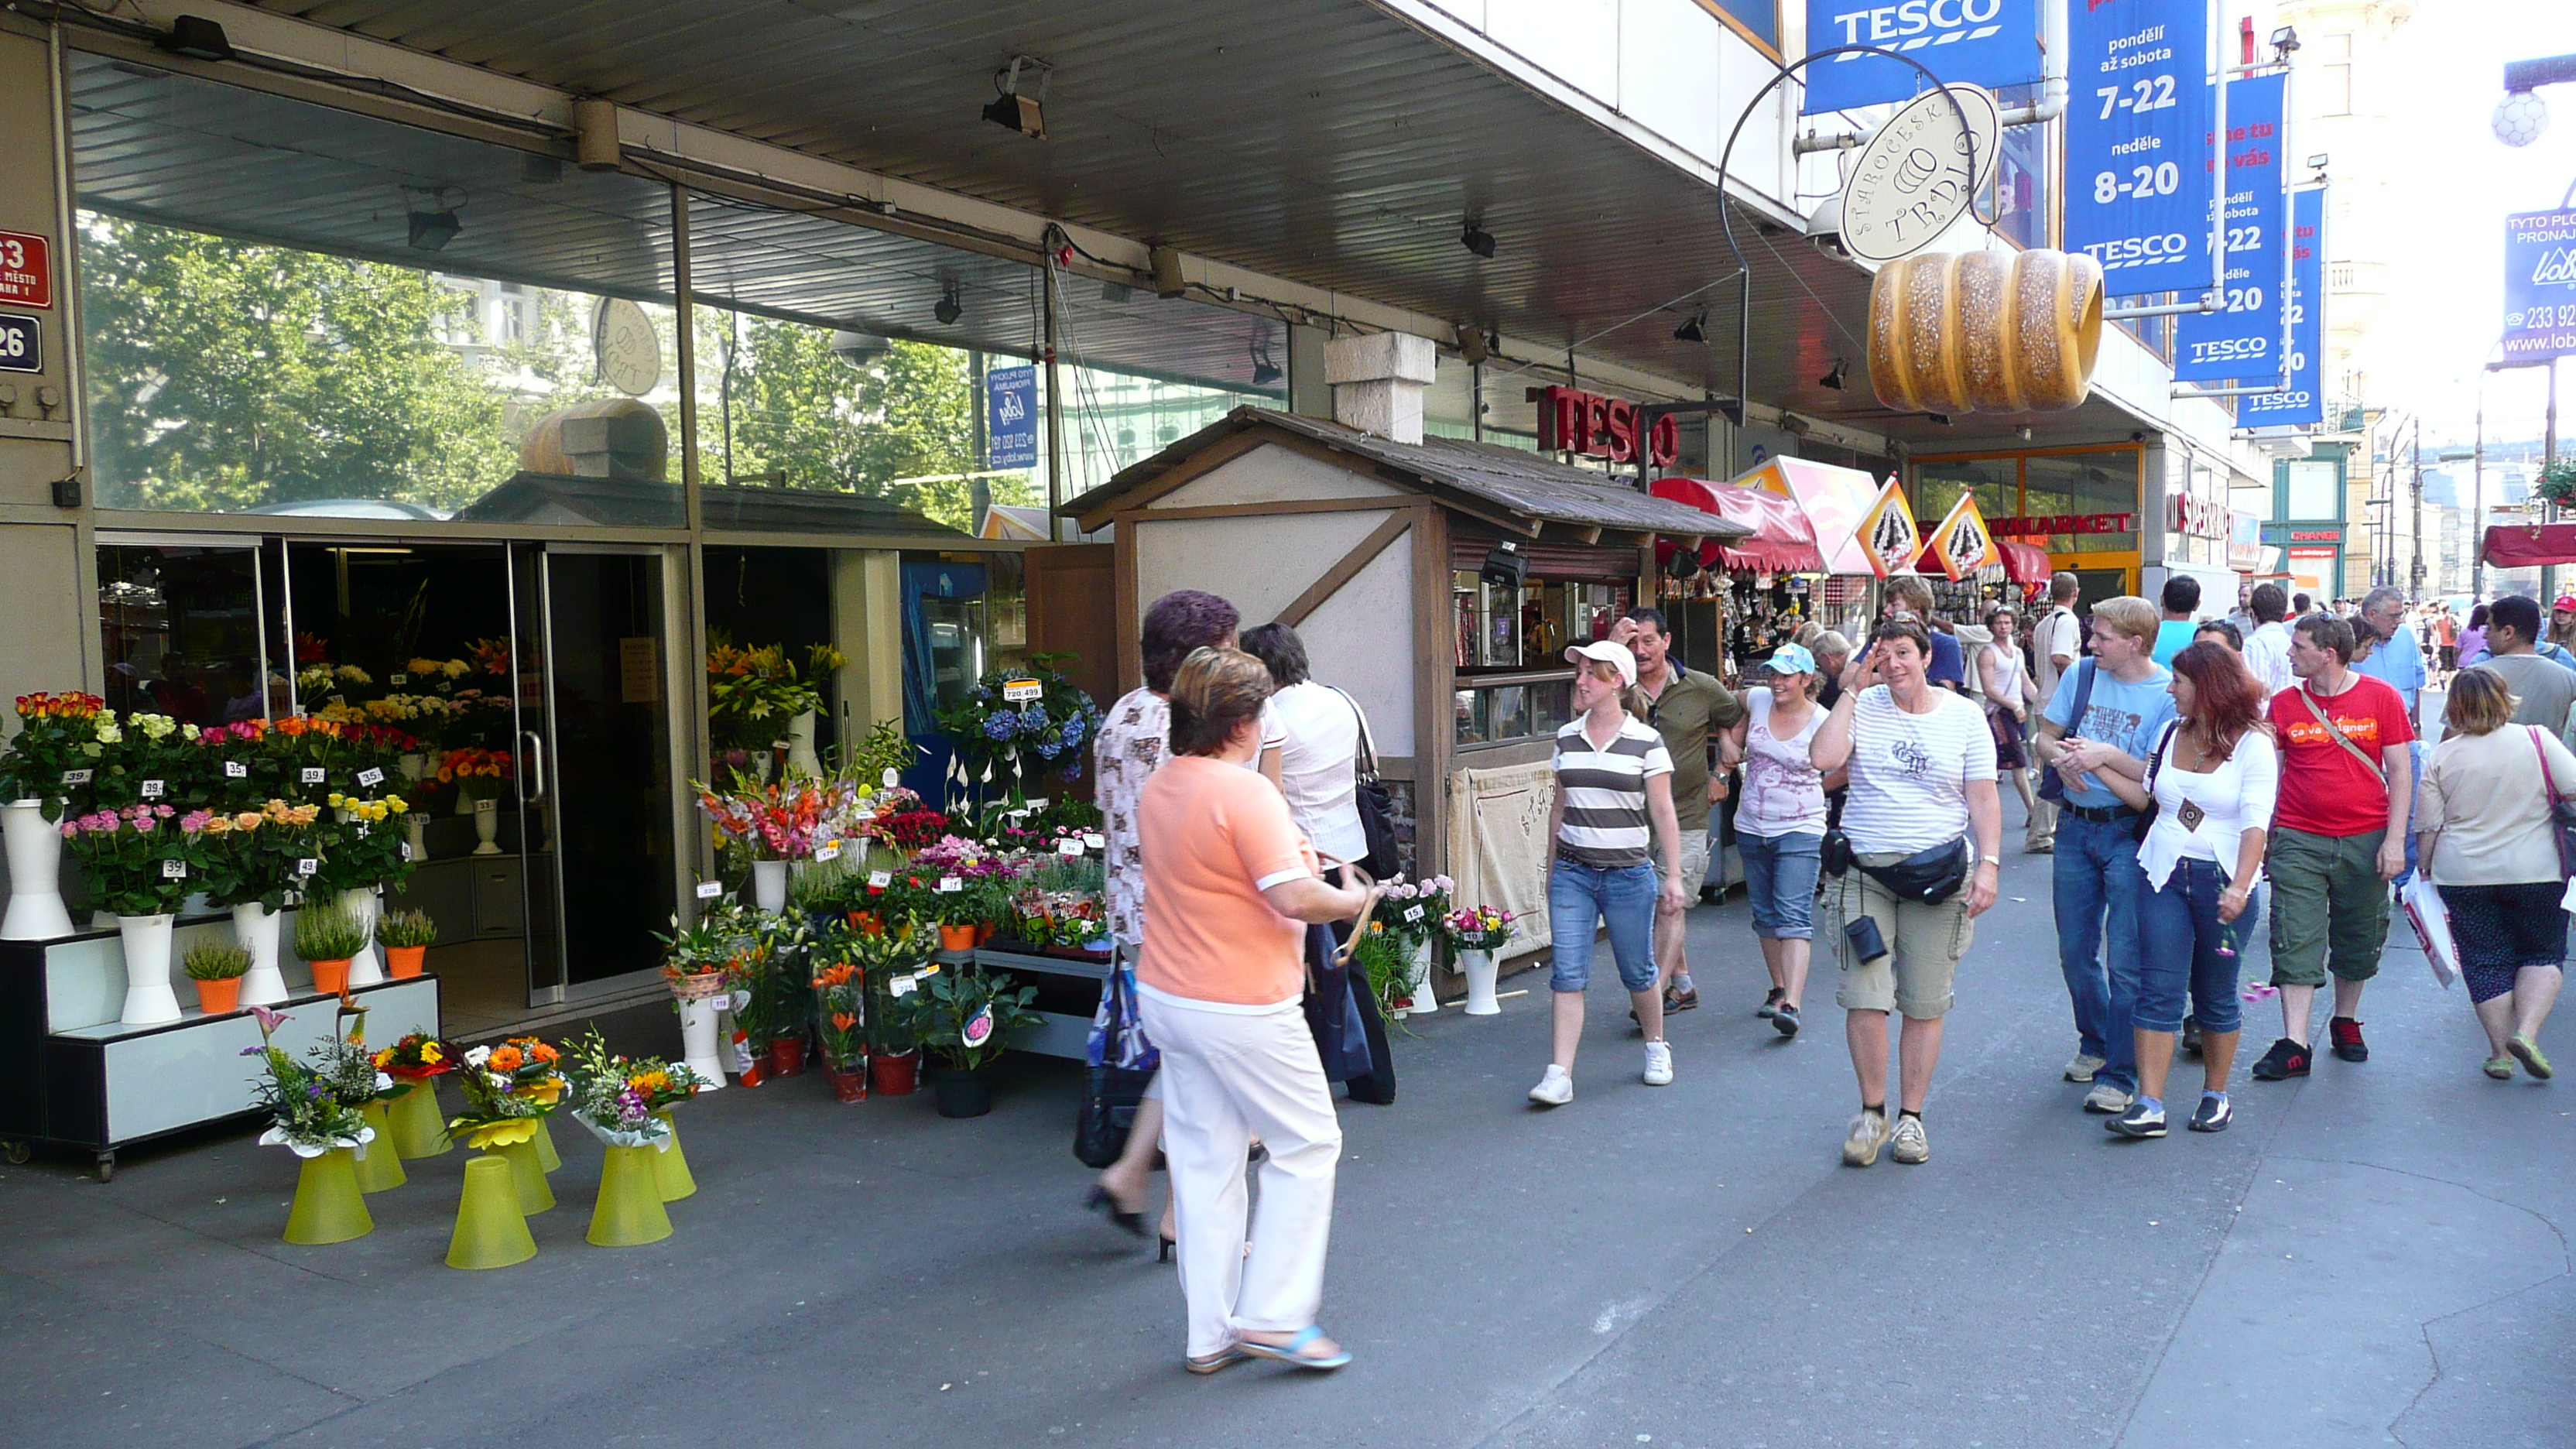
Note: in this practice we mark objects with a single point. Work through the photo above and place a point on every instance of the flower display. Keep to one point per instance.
(911, 830)
(507, 1088)
(416, 1058)
(1477, 928)
(315, 1104)
(257, 854)
(475, 764)
(840, 1001)
(58, 736)
(143, 859)
(362, 845)
(620, 1099)
(1415, 907)
(1020, 724)
(784, 820)
(753, 693)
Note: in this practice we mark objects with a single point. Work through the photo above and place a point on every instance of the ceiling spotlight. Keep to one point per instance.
(949, 308)
(1264, 371)
(1505, 566)
(1478, 240)
(431, 231)
(1839, 378)
(1472, 347)
(197, 38)
(1694, 329)
(2284, 41)
(1013, 111)
(2520, 118)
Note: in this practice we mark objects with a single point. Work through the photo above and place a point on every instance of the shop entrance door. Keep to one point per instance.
(600, 786)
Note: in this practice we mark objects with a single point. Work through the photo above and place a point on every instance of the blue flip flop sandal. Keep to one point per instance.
(1287, 1353)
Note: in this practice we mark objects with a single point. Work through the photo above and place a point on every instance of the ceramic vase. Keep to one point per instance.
(35, 849)
(698, 1040)
(1425, 1000)
(1480, 969)
(255, 929)
(416, 835)
(800, 746)
(487, 827)
(769, 885)
(149, 1001)
(367, 968)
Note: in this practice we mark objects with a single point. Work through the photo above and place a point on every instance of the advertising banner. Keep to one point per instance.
(1887, 533)
(1962, 545)
(2539, 286)
(1011, 417)
(2242, 340)
(1992, 43)
(2304, 400)
(2138, 122)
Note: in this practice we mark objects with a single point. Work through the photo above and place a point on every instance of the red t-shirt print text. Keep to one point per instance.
(2324, 790)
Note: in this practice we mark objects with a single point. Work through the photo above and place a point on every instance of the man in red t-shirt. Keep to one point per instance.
(2338, 837)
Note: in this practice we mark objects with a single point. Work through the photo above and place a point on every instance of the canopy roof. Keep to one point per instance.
(1782, 539)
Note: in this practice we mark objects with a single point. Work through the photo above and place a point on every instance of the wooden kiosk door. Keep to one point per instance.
(1073, 609)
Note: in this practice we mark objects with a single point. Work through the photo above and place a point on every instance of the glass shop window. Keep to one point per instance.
(1513, 682)
(2084, 483)
(184, 632)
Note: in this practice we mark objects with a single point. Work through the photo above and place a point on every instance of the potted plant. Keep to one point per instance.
(256, 855)
(406, 937)
(1414, 909)
(894, 998)
(217, 967)
(1474, 934)
(317, 1110)
(415, 1063)
(967, 1016)
(840, 1005)
(509, 1089)
(327, 936)
(1019, 725)
(698, 962)
(52, 760)
(143, 859)
(362, 853)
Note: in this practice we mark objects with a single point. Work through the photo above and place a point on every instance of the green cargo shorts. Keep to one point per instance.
(2329, 906)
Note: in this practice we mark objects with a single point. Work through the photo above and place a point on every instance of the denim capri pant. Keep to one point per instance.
(1780, 879)
(1581, 897)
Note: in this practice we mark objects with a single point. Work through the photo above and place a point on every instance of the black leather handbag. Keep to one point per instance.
(1333, 1012)
(1376, 805)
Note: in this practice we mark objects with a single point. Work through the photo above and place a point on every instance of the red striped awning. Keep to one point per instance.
(1782, 542)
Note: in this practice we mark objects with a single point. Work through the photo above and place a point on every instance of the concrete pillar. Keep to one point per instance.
(1377, 382)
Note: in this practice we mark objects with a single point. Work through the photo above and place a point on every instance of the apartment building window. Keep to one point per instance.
(2334, 76)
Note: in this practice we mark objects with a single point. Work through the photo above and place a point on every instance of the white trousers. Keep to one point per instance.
(1227, 1076)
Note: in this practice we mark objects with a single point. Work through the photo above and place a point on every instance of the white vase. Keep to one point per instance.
(255, 930)
(149, 1000)
(1480, 969)
(698, 1040)
(416, 834)
(800, 746)
(367, 968)
(487, 827)
(412, 766)
(1425, 1000)
(769, 885)
(35, 849)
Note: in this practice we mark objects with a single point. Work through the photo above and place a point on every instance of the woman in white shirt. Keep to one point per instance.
(1319, 752)
(1780, 825)
(2486, 837)
(2008, 692)
(2213, 775)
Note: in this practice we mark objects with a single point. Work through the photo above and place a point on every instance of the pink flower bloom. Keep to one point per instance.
(70, 828)
(194, 821)
(164, 811)
(145, 824)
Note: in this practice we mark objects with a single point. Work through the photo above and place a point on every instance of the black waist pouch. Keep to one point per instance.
(1930, 876)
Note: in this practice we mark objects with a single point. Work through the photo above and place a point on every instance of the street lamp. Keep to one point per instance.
(2522, 115)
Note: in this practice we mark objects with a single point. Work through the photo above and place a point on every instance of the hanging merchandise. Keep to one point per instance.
(1989, 331)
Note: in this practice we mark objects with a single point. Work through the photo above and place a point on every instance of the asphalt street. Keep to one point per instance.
(2376, 1255)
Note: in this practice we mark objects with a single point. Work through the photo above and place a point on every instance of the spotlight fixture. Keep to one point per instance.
(1694, 330)
(1472, 347)
(1839, 378)
(431, 231)
(1478, 240)
(1264, 371)
(1684, 564)
(1168, 281)
(2284, 41)
(1013, 111)
(1506, 566)
(195, 37)
(949, 308)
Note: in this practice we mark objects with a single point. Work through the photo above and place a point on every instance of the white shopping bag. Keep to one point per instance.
(2432, 923)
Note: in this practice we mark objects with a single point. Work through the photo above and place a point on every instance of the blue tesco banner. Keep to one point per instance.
(1992, 43)
(2242, 340)
(2138, 143)
(2303, 401)
(2539, 286)
(1011, 417)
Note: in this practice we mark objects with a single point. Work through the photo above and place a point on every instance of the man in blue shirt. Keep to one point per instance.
(2095, 876)
(2181, 596)
(1908, 594)
(2397, 660)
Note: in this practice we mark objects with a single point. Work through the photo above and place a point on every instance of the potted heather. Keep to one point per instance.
(327, 936)
(406, 937)
(218, 968)
(967, 1015)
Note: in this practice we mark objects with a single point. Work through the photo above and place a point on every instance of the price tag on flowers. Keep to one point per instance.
(173, 869)
(1023, 691)
(708, 890)
(307, 866)
(76, 777)
(1413, 913)
(950, 885)
(310, 775)
(880, 879)
(1094, 840)
(901, 986)
(371, 777)
(236, 770)
(828, 850)
(1068, 847)
(150, 789)
(893, 777)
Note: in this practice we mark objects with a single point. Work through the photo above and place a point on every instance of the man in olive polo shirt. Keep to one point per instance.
(1693, 712)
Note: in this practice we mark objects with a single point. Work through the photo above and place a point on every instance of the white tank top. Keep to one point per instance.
(1783, 793)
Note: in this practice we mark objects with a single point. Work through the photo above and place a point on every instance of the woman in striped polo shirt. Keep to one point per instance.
(1614, 780)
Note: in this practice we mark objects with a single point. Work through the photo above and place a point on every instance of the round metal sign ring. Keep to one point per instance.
(630, 356)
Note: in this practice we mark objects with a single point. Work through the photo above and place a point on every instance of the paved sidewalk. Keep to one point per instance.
(2375, 1256)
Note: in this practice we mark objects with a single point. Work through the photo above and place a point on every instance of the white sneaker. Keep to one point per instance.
(1868, 1134)
(1557, 1087)
(2083, 1067)
(1910, 1146)
(1659, 1064)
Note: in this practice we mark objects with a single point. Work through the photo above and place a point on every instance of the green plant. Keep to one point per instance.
(314, 1105)
(406, 928)
(829, 887)
(1386, 958)
(325, 932)
(886, 750)
(216, 961)
(2558, 483)
(1004, 744)
(140, 860)
(969, 1013)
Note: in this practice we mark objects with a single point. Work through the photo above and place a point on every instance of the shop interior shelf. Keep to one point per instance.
(1068, 993)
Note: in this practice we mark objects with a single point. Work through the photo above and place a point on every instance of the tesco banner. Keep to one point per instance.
(2539, 286)
(2304, 400)
(2242, 339)
(1992, 43)
(2138, 143)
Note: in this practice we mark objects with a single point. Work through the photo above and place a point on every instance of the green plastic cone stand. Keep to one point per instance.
(534, 1195)
(417, 1129)
(379, 1166)
(629, 1212)
(547, 1157)
(671, 1165)
(491, 1232)
(328, 1206)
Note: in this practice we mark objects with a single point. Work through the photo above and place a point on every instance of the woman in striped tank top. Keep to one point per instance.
(1614, 796)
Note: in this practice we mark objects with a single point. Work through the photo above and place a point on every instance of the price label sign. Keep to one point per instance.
(398, 679)
(307, 866)
(950, 885)
(151, 789)
(829, 850)
(174, 870)
(310, 775)
(1094, 840)
(1022, 691)
(371, 777)
(880, 878)
(1069, 848)
(902, 985)
(708, 890)
(1037, 804)
(236, 770)
(406, 850)
(76, 777)
(363, 827)
(1413, 913)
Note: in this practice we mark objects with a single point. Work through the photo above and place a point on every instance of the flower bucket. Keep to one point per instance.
(698, 1034)
(328, 1207)
(769, 885)
(849, 1084)
(366, 968)
(487, 827)
(417, 1129)
(379, 1167)
(490, 1230)
(215, 998)
(35, 853)
(629, 1211)
(671, 1176)
(149, 1001)
(787, 1056)
(894, 1074)
(255, 929)
(1480, 969)
(963, 1093)
(331, 977)
(957, 938)
(403, 962)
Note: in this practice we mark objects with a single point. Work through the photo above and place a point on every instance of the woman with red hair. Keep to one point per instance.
(2212, 777)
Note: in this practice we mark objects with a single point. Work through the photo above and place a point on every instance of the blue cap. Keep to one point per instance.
(1791, 659)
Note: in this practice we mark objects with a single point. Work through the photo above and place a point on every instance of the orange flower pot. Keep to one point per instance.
(951, 938)
(402, 962)
(215, 998)
(984, 932)
(331, 976)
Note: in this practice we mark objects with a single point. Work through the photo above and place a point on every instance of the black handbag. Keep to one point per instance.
(1333, 1012)
(1930, 876)
(2146, 820)
(2052, 785)
(1110, 1096)
(1376, 804)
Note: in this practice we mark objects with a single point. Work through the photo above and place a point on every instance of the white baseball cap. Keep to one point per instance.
(1617, 655)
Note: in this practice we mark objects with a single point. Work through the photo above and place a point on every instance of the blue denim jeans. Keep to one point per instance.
(1780, 881)
(1581, 896)
(2096, 888)
(2179, 943)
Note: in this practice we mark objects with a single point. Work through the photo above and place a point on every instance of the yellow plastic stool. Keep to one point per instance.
(534, 1195)
(379, 1166)
(328, 1206)
(547, 1157)
(629, 1212)
(491, 1232)
(671, 1165)
(418, 1130)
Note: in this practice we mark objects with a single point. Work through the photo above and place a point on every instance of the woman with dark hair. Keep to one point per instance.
(2220, 631)
(2473, 639)
(1320, 749)
(2212, 777)
(1220, 984)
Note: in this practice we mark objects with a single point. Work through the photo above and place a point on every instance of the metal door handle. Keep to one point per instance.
(532, 773)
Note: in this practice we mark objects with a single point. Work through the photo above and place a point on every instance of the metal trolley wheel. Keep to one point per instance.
(15, 1152)
(107, 1167)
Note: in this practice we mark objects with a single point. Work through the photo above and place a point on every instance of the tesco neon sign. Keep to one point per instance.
(1574, 421)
